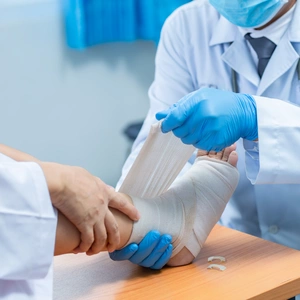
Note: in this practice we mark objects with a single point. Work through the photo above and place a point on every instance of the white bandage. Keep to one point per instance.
(191, 207)
(173, 212)
(194, 203)
(214, 183)
(159, 162)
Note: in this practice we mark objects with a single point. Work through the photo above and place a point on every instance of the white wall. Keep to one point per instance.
(66, 106)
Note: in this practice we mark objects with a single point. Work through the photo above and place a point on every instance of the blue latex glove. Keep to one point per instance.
(154, 251)
(211, 119)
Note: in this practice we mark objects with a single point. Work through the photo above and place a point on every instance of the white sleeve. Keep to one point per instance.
(172, 80)
(34, 289)
(275, 158)
(27, 221)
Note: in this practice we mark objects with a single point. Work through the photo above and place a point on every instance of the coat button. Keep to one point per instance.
(273, 229)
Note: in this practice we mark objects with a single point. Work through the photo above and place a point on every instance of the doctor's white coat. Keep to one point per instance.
(199, 48)
(27, 232)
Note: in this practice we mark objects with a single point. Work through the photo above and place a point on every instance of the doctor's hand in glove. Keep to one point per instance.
(84, 199)
(154, 251)
(211, 119)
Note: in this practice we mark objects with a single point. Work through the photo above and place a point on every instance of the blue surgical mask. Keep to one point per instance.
(248, 13)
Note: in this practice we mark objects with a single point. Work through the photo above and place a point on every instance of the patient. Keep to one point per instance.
(187, 211)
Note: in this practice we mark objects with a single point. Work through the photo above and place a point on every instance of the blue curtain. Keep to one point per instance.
(91, 22)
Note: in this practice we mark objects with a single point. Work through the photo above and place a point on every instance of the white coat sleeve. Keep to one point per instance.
(27, 221)
(275, 158)
(172, 80)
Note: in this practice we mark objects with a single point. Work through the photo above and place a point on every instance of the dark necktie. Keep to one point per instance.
(264, 49)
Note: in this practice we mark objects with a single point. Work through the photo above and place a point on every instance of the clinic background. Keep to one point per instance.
(68, 90)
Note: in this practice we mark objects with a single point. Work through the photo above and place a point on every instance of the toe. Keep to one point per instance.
(215, 155)
(233, 158)
(227, 152)
(201, 152)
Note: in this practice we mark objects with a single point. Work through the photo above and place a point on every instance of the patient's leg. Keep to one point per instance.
(201, 195)
(68, 237)
(192, 205)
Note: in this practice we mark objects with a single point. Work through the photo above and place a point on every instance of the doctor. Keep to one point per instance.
(28, 190)
(212, 56)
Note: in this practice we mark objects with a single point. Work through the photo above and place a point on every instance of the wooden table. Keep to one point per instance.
(256, 269)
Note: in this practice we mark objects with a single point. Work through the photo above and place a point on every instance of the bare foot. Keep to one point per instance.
(229, 155)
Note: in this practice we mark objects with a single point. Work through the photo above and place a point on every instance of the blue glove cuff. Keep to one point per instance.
(251, 128)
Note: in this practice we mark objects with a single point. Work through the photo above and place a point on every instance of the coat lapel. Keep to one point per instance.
(286, 55)
(238, 57)
(284, 58)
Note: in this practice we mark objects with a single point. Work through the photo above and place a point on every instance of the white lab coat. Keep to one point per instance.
(198, 48)
(27, 232)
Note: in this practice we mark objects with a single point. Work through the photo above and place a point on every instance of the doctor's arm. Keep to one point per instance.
(275, 158)
(16, 154)
(172, 81)
(28, 221)
(213, 119)
(83, 199)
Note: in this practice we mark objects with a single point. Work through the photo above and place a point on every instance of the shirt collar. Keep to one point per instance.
(224, 32)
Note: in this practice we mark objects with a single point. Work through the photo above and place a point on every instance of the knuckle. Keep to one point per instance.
(96, 212)
(101, 201)
(99, 241)
(92, 214)
(122, 203)
(101, 237)
(115, 229)
(88, 241)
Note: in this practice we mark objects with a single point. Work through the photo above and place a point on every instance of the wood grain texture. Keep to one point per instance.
(256, 269)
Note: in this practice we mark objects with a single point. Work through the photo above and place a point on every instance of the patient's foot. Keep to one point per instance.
(185, 256)
(191, 207)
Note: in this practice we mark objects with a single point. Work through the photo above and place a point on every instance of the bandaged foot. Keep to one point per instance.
(216, 185)
(192, 205)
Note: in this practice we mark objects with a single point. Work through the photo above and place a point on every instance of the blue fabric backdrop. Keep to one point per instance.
(91, 22)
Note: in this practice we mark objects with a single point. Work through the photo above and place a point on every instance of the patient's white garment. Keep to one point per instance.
(191, 207)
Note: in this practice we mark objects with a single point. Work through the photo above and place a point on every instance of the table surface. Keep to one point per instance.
(255, 269)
